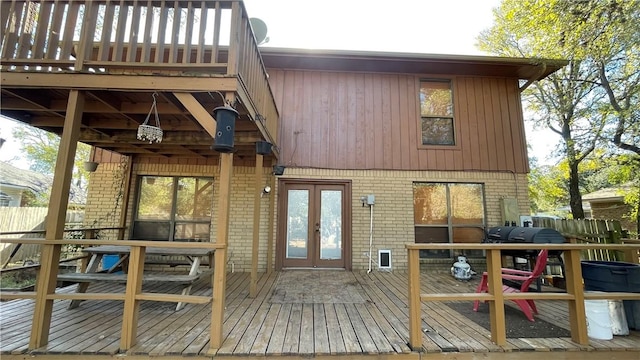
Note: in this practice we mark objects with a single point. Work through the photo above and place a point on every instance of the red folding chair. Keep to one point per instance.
(526, 278)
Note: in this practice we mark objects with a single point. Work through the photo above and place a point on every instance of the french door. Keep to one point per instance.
(315, 225)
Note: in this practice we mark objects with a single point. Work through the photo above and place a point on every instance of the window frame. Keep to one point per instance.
(454, 118)
(172, 221)
(450, 226)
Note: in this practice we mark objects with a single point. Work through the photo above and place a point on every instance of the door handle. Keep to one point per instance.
(318, 227)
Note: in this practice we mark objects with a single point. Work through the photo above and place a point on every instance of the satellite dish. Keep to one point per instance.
(259, 30)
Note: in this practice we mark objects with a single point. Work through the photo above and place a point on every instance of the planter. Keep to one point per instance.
(90, 166)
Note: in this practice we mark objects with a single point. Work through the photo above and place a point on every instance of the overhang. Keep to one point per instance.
(413, 63)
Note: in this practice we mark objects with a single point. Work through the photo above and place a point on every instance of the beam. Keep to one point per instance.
(116, 82)
(196, 109)
(169, 138)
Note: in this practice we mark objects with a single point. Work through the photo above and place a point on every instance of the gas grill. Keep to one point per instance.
(526, 235)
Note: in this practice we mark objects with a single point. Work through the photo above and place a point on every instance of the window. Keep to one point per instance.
(448, 213)
(436, 113)
(173, 208)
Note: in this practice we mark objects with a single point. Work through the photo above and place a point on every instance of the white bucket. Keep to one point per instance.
(619, 325)
(598, 319)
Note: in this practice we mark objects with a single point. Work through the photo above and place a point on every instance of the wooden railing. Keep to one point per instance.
(574, 295)
(133, 292)
(177, 38)
(87, 233)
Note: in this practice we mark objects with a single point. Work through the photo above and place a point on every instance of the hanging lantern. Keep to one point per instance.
(225, 128)
(148, 132)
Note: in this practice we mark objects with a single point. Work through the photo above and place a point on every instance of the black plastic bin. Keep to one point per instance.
(615, 276)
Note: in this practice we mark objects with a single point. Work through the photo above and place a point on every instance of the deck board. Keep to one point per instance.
(261, 326)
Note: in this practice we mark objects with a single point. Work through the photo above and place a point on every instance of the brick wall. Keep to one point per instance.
(393, 212)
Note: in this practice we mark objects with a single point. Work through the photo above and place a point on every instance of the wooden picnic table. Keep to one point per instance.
(93, 274)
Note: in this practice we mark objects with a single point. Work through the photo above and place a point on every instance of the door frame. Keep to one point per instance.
(282, 217)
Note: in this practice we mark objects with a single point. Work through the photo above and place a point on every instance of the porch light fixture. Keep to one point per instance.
(278, 169)
(147, 132)
(266, 190)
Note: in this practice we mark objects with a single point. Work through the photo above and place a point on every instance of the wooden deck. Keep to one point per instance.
(373, 324)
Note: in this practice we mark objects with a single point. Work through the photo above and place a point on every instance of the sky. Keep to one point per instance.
(417, 26)
(413, 26)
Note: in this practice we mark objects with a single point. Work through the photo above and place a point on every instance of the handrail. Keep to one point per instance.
(132, 243)
(89, 232)
(65, 230)
(573, 273)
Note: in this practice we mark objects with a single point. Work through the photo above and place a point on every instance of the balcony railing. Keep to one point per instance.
(175, 38)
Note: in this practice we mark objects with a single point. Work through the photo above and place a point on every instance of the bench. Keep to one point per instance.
(184, 279)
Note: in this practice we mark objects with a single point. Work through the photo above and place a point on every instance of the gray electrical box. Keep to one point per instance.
(371, 199)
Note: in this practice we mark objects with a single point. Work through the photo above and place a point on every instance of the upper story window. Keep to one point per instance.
(436, 112)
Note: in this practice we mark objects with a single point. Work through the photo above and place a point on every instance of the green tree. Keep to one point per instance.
(41, 151)
(596, 96)
(547, 189)
(608, 34)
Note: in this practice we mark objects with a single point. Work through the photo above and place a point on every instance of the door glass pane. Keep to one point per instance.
(330, 225)
(297, 224)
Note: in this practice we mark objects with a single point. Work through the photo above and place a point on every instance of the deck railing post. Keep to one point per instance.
(131, 304)
(415, 333)
(496, 307)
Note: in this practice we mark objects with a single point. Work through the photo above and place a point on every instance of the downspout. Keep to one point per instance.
(370, 236)
(541, 69)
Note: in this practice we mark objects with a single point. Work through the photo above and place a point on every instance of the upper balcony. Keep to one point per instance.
(191, 53)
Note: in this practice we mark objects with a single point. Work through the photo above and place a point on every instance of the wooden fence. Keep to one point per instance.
(589, 231)
(32, 220)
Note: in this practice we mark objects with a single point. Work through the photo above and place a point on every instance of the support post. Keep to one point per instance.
(271, 223)
(253, 286)
(220, 261)
(56, 214)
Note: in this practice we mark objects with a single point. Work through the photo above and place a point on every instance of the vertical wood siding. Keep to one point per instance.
(371, 121)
